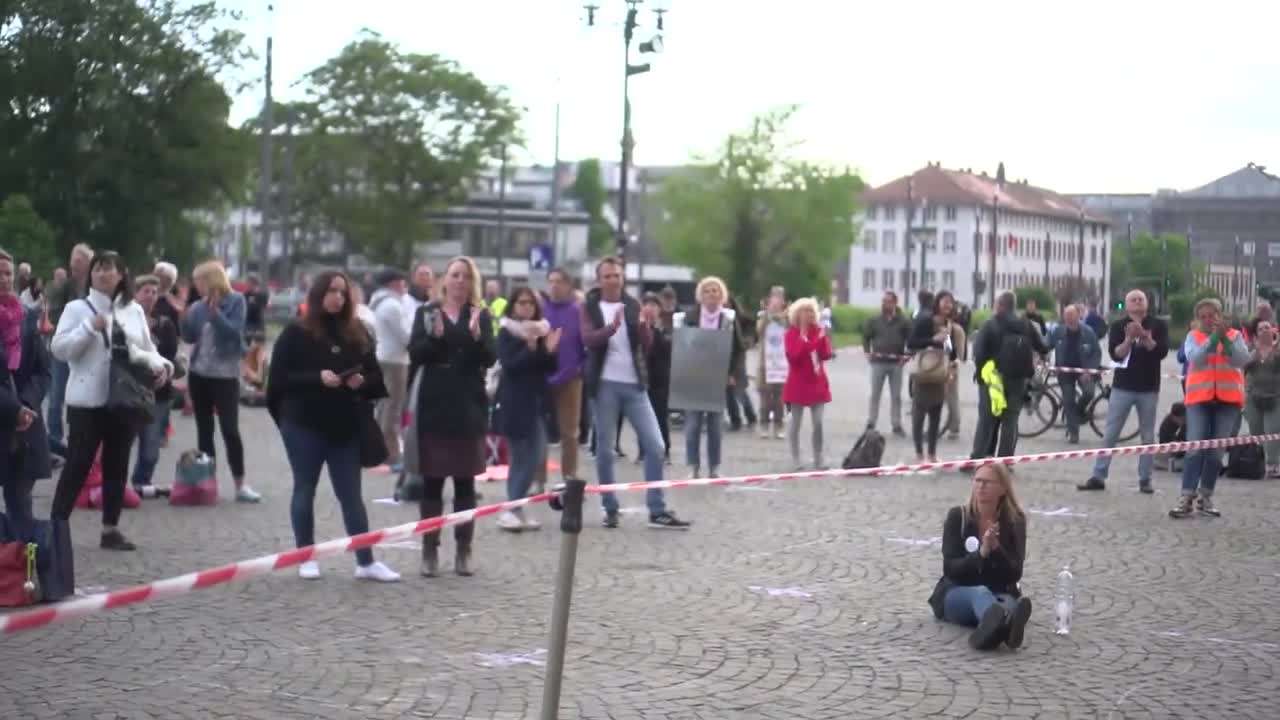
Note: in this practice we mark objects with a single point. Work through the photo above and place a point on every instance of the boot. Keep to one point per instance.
(431, 554)
(462, 561)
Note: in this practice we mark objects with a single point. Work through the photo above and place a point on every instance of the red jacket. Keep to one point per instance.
(806, 380)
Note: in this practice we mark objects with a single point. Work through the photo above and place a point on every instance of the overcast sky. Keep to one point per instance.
(1085, 96)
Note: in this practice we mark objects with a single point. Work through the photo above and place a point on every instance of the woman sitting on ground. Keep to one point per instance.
(253, 372)
(983, 546)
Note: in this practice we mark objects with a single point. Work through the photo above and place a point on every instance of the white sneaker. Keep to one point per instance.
(377, 572)
(530, 524)
(510, 522)
(247, 494)
(309, 570)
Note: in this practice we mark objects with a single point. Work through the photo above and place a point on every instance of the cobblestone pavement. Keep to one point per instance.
(797, 600)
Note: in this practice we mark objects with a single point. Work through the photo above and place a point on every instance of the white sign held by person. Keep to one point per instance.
(699, 368)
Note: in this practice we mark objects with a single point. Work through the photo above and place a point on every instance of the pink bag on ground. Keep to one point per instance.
(195, 481)
(91, 494)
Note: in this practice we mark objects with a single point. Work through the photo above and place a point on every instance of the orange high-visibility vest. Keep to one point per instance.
(1218, 381)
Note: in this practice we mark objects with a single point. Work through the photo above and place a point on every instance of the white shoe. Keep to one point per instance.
(377, 572)
(309, 570)
(510, 522)
(247, 494)
(530, 524)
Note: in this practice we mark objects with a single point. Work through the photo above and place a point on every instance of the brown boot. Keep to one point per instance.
(431, 554)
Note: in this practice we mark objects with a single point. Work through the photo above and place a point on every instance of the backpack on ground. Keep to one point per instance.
(1016, 358)
(866, 453)
(195, 480)
(35, 562)
(1246, 462)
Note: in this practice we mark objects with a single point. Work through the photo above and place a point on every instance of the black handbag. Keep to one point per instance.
(373, 448)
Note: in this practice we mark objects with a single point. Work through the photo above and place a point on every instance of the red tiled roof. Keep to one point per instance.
(956, 187)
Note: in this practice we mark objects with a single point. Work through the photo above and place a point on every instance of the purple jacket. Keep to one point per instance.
(571, 355)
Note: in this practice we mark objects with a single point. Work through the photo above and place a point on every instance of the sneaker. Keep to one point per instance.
(695, 472)
(309, 570)
(713, 472)
(1016, 624)
(991, 629)
(668, 521)
(764, 432)
(529, 523)
(113, 539)
(1183, 508)
(247, 494)
(510, 522)
(377, 572)
(781, 434)
(1144, 487)
(899, 432)
(611, 519)
(1092, 483)
(1205, 506)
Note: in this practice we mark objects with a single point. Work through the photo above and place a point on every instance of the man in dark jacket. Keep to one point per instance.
(616, 337)
(885, 335)
(736, 395)
(1074, 346)
(1012, 344)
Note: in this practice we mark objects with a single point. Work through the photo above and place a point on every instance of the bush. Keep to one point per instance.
(851, 318)
(1044, 299)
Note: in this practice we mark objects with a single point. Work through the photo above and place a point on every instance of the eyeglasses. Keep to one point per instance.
(979, 480)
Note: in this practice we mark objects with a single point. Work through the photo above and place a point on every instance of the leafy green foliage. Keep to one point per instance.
(1152, 262)
(385, 137)
(26, 236)
(588, 188)
(756, 217)
(1042, 296)
(116, 123)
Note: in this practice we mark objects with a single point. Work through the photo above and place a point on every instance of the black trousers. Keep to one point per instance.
(432, 505)
(89, 428)
(223, 396)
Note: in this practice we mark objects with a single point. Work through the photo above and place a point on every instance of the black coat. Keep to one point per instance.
(451, 397)
(523, 397)
(30, 384)
(296, 393)
(1000, 571)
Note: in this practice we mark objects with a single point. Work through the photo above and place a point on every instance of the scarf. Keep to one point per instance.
(525, 329)
(12, 313)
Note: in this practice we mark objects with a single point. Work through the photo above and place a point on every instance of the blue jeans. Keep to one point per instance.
(308, 452)
(1207, 421)
(1118, 407)
(693, 424)
(149, 441)
(966, 604)
(59, 372)
(615, 400)
(528, 454)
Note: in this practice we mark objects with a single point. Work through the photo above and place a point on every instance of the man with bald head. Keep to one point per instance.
(1074, 346)
(1138, 343)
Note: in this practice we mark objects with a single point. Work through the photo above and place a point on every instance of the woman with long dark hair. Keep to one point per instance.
(322, 369)
(452, 345)
(934, 335)
(88, 334)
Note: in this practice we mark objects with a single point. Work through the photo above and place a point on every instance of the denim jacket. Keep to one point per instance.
(1090, 351)
(228, 325)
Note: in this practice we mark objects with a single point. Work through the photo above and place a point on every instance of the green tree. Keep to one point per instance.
(588, 188)
(758, 217)
(1043, 297)
(116, 123)
(26, 236)
(385, 137)
(1156, 264)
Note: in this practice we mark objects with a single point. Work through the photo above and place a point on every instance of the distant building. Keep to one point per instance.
(1039, 239)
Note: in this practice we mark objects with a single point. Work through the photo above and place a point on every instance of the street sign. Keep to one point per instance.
(541, 257)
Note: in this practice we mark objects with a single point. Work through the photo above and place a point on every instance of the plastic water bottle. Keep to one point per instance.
(1064, 601)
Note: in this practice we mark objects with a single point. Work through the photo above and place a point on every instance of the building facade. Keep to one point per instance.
(965, 223)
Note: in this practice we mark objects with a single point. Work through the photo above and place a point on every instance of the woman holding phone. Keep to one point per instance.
(321, 369)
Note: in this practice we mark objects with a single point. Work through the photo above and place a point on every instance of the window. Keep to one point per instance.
(868, 279)
(930, 277)
(871, 212)
(888, 241)
(950, 213)
(890, 212)
(948, 279)
(887, 277)
(1093, 255)
(948, 241)
(930, 213)
(915, 284)
(1094, 230)
(869, 240)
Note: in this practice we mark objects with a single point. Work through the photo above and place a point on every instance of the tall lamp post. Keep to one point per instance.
(652, 45)
(266, 179)
(1080, 252)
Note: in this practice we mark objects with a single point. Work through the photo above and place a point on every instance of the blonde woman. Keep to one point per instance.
(808, 348)
(984, 543)
(452, 344)
(711, 315)
(214, 325)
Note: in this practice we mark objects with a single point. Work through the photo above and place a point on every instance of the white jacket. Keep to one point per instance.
(392, 328)
(76, 343)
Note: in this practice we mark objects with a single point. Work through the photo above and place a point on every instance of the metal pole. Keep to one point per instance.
(1235, 275)
(287, 196)
(924, 241)
(570, 527)
(555, 192)
(502, 214)
(644, 228)
(977, 251)
(267, 180)
(625, 169)
(995, 225)
(1080, 252)
(906, 247)
(1191, 281)
(1048, 244)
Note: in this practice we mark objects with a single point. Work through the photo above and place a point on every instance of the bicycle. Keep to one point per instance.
(1043, 408)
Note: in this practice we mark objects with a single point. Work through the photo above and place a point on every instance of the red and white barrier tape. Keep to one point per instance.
(248, 569)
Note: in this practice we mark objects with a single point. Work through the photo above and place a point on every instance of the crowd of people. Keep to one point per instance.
(561, 368)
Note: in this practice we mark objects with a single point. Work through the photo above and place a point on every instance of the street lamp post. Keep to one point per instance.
(1080, 252)
(906, 246)
(995, 240)
(977, 252)
(653, 45)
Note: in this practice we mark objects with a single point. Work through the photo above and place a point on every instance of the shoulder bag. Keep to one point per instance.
(931, 365)
(130, 395)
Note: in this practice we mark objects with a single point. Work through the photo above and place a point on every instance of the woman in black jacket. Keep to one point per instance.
(323, 372)
(24, 380)
(932, 330)
(658, 362)
(527, 352)
(452, 345)
(983, 547)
